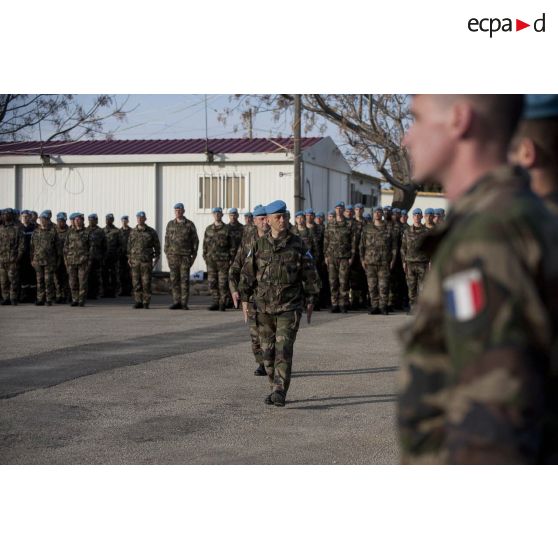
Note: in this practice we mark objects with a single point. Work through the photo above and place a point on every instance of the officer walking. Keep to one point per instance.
(77, 255)
(144, 250)
(280, 274)
(45, 256)
(181, 249)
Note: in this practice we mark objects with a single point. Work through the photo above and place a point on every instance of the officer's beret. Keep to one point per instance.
(340, 204)
(309, 211)
(217, 210)
(248, 214)
(178, 205)
(387, 207)
(44, 215)
(124, 217)
(299, 214)
(233, 210)
(417, 211)
(396, 210)
(348, 207)
(49, 212)
(277, 206)
(61, 216)
(140, 214)
(403, 212)
(260, 211)
(379, 208)
(320, 214)
(331, 212)
(429, 211)
(109, 216)
(540, 106)
(92, 216)
(17, 211)
(359, 206)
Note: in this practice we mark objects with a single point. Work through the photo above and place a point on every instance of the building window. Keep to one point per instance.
(224, 191)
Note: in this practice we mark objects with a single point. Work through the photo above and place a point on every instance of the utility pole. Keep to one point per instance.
(296, 149)
(250, 124)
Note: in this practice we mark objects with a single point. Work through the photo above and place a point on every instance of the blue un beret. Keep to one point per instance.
(61, 216)
(359, 206)
(277, 206)
(417, 211)
(367, 217)
(403, 212)
(233, 210)
(299, 214)
(26, 212)
(348, 207)
(340, 204)
(248, 214)
(217, 210)
(429, 211)
(92, 216)
(140, 214)
(309, 211)
(49, 212)
(387, 207)
(320, 214)
(109, 215)
(441, 210)
(540, 106)
(438, 212)
(331, 212)
(44, 215)
(379, 208)
(259, 211)
(124, 217)
(179, 206)
(396, 210)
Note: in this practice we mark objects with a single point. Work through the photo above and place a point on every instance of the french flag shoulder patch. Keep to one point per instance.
(464, 294)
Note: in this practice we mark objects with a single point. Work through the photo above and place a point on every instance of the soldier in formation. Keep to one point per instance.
(125, 276)
(111, 261)
(144, 250)
(181, 249)
(61, 283)
(45, 256)
(26, 271)
(77, 256)
(12, 250)
(98, 247)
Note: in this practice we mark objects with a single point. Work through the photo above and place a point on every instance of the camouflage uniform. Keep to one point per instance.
(479, 378)
(218, 252)
(125, 277)
(282, 277)
(111, 262)
(143, 248)
(45, 255)
(415, 258)
(61, 283)
(339, 249)
(26, 271)
(309, 238)
(98, 242)
(236, 231)
(396, 274)
(77, 251)
(181, 248)
(12, 249)
(319, 232)
(357, 274)
(377, 252)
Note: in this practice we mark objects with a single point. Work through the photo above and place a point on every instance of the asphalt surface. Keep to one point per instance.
(110, 384)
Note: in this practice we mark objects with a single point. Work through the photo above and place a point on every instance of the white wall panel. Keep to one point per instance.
(7, 187)
(338, 187)
(315, 188)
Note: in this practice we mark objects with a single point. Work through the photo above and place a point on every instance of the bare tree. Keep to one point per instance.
(26, 117)
(373, 126)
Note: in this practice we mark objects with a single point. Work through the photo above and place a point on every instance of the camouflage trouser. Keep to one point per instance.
(61, 283)
(141, 281)
(9, 279)
(77, 275)
(111, 276)
(415, 277)
(218, 279)
(357, 282)
(45, 282)
(338, 270)
(125, 277)
(253, 324)
(277, 338)
(180, 278)
(378, 284)
(95, 279)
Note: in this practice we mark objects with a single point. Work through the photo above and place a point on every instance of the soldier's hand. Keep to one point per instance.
(309, 310)
(236, 298)
(245, 311)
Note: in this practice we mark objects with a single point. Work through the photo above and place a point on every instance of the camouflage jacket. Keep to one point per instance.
(248, 240)
(77, 249)
(98, 242)
(218, 244)
(339, 240)
(12, 243)
(112, 235)
(318, 232)
(181, 239)
(45, 247)
(377, 245)
(124, 236)
(280, 274)
(27, 234)
(236, 231)
(143, 245)
(411, 245)
(479, 381)
(309, 239)
(61, 235)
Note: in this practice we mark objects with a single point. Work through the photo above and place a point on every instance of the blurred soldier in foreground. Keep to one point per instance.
(279, 272)
(248, 241)
(219, 250)
(535, 147)
(45, 255)
(98, 246)
(12, 249)
(77, 253)
(111, 261)
(479, 379)
(181, 249)
(144, 251)
(125, 276)
(61, 283)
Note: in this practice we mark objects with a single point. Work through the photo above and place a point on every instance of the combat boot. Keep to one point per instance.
(146, 305)
(74, 303)
(384, 310)
(278, 398)
(82, 303)
(222, 307)
(49, 303)
(214, 307)
(335, 309)
(39, 303)
(175, 306)
(344, 309)
(6, 302)
(374, 311)
(185, 307)
(137, 305)
(260, 371)
(268, 400)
